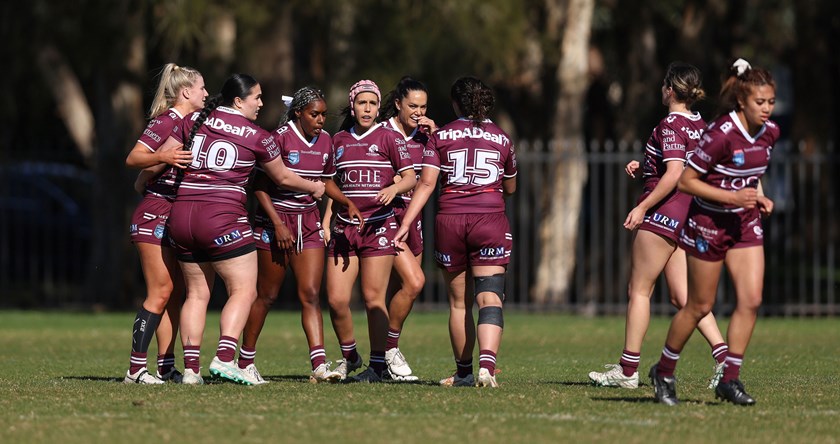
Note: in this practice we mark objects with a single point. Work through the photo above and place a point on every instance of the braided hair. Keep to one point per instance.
(300, 100)
(237, 85)
(475, 100)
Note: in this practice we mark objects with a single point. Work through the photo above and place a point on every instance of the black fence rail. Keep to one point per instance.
(45, 236)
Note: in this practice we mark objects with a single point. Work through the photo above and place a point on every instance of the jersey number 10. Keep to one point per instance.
(220, 155)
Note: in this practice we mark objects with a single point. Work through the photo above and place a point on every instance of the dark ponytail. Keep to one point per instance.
(237, 85)
(401, 91)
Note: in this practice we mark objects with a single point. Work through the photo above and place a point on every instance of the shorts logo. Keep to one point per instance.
(231, 237)
(321, 234)
(160, 230)
(701, 244)
(339, 152)
(380, 230)
(294, 157)
(665, 221)
(383, 241)
(758, 231)
(738, 157)
(132, 228)
(265, 237)
(443, 258)
(492, 252)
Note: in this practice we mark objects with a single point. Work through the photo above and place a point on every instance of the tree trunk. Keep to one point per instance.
(72, 104)
(559, 229)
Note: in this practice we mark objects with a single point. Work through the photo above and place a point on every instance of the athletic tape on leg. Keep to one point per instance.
(491, 284)
(491, 315)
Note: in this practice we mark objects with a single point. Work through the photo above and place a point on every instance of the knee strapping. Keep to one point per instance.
(491, 315)
(491, 284)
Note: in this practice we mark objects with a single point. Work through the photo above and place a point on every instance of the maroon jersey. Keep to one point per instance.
(675, 136)
(156, 132)
(364, 165)
(414, 143)
(729, 158)
(307, 158)
(473, 162)
(225, 150)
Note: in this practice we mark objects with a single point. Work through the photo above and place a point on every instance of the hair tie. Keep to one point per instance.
(287, 100)
(741, 66)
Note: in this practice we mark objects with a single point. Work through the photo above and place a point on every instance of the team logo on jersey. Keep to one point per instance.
(373, 149)
(294, 157)
(701, 244)
(383, 241)
(339, 152)
(265, 237)
(738, 158)
(324, 161)
(726, 127)
(160, 230)
(283, 129)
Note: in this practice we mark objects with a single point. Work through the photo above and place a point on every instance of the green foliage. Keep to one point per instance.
(59, 382)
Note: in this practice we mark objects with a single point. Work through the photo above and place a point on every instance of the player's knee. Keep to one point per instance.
(492, 316)
(490, 284)
(750, 302)
(414, 284)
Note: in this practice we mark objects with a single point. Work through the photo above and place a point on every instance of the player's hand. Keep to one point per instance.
(283, 236)
(400, 237)
(176, 156)
(631, 168)
(765, 205)
(319, 189)
(425, 124)
(386, 195)
(355, 214)
(746, 198)
(634, 218)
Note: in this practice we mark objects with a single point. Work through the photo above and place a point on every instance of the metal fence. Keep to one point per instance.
(45, 228)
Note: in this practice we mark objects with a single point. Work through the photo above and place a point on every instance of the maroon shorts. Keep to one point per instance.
(667, 217)
(209, 231)
(305, 227)
(148, 223)
(376, 239)
(708, 235)
(472, 239)
(415, 232)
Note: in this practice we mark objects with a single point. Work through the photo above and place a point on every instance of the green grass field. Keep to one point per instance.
(60, 381)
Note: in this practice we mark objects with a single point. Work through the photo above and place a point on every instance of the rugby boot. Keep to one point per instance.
(664, 387)
(733, 391)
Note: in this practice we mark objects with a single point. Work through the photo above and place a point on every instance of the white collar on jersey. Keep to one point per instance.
(309, 143)
(690, 116)
(392, 122)
(358, 137)
(734, 116)
(470, 120)
(176, 112)
(228, 110)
